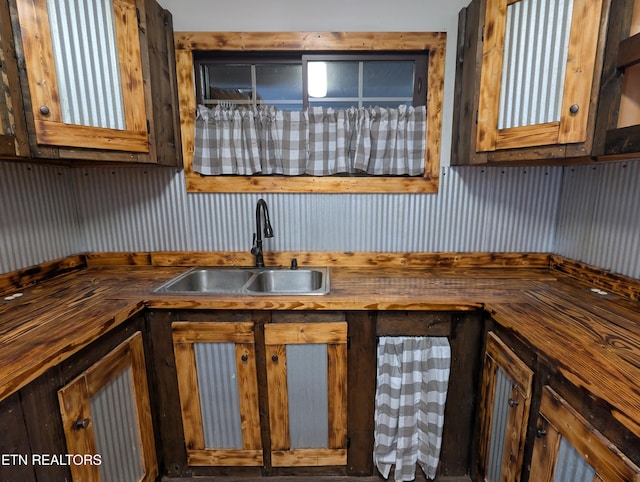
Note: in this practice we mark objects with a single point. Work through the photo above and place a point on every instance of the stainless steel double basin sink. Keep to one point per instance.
(249, 281)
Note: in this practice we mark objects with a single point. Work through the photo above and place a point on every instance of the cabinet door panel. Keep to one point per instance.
(306, 384)
(569, 449)
(217, 381)
(537, 72)
(84, 71)
(106, 412)
(504, 412)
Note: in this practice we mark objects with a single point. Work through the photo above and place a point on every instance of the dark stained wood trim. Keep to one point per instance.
(40, 272)
(607, 280)
(629, 53)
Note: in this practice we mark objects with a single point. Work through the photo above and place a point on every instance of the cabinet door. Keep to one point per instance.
(538, 65)
(107, 417)
(569, 449)
(504, 412)
(13, 133)
(307, 392)
(84, 71)
(218, 384)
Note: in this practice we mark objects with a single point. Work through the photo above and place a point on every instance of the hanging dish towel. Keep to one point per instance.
(412, 382)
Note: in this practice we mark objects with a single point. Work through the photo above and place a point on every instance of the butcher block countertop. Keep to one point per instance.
(592, 338)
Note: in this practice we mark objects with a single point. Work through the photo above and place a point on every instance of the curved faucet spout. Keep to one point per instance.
(256, 250)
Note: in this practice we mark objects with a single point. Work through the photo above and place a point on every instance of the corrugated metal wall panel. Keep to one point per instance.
(147, 209)
(599, 219)
(132, 209)
(536, 46)
(87, 68)
(38, 219)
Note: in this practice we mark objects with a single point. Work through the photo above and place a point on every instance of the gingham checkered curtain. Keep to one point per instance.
(318, 141)
(411, 391)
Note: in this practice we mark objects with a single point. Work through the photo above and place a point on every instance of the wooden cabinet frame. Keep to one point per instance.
(277, 337)
(499, 356)
(559, 420)
(185, 336)
(75, 398)
(579, 78)
(43, 86)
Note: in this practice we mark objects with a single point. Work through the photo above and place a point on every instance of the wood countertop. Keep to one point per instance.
(593, 339)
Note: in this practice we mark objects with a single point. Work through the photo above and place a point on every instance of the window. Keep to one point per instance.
(361, 69)
(296, 81)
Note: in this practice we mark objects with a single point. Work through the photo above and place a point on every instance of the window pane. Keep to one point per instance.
(229, 82)
(342, 79)
(279, 82)
(388, 78)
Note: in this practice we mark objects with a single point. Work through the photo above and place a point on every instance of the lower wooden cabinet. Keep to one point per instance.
(218, 384)
(569, 449)
(221, 399)
(504, 412)
(307, 388)
(107, 418)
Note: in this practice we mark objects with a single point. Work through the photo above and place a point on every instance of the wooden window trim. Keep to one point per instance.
(579, 77)
(433, 42)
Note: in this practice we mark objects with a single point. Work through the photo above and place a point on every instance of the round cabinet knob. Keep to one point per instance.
(44, 110)
(541, 432)
(81, 423)
(574, 108)
(513, 403)
(274, 357)
(245, 357)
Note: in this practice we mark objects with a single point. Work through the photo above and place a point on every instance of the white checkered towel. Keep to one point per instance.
(412, 382)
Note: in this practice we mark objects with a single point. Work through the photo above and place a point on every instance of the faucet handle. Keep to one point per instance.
(254, 246)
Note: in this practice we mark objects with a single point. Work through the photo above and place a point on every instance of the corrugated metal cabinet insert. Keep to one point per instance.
(91, 79)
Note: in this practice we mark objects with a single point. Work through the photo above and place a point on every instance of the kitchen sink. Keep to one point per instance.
(249, 281)
(287, 281)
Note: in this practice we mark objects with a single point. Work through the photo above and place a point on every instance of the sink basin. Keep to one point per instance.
(207, 280)
(249, 281)
(287, 281)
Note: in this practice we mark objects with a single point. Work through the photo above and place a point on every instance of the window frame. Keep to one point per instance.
(186, 43)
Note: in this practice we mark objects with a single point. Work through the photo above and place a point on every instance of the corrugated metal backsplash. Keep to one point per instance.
(476, 210)
(38, 215)
(592, 216)
(599, 216)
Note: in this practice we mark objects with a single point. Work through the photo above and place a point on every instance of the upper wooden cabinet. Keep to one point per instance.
(619, 108)
(99, 80)
(528, 80)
